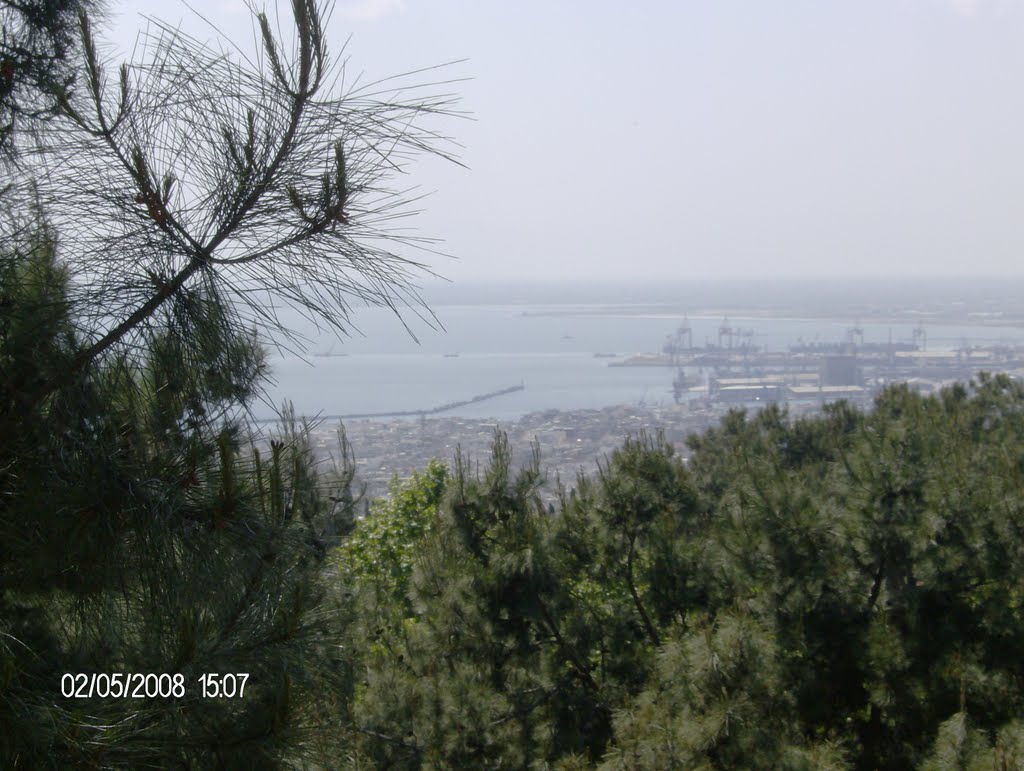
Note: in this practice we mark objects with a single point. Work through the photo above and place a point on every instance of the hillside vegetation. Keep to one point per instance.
(836, 591)
(839, 591)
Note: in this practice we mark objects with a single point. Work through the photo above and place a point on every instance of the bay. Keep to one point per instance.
(547, 347)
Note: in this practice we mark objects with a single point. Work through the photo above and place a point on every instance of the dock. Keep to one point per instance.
(418, 413)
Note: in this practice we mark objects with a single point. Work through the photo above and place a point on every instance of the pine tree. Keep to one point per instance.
(36, 41)
(836, 591)
(153, 223)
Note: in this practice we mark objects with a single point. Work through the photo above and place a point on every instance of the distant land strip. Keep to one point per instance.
(1013, 318)
(417, 413)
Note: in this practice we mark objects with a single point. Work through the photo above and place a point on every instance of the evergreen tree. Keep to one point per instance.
(36, 40)
(837, 591)
(456, 682)
(158, 222)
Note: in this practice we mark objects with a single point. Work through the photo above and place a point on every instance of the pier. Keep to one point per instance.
(419, 413)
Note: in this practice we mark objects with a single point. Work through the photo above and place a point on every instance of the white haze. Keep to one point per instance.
(714, 138)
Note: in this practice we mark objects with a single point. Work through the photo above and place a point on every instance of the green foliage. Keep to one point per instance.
(377, 556)
(520, 638)
(37, 37)
(717, 699)
(451, 685)
(145, 526)
(816, 593)
(138, 535)
(838, 591)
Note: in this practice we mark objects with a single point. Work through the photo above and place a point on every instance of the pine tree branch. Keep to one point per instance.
(581, 670)
(652, 633)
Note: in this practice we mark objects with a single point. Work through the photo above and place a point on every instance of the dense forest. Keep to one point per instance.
(836, 591)
(839, 591)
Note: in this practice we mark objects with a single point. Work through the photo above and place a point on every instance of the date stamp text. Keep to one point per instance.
(122, 685)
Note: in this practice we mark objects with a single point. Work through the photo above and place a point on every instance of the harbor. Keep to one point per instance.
(734, 370)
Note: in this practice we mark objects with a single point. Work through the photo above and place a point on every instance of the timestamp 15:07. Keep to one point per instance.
(226, 686)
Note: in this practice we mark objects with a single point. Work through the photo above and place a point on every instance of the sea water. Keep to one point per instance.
(549, 348)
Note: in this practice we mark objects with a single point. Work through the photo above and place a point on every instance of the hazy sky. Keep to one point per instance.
(707, 137)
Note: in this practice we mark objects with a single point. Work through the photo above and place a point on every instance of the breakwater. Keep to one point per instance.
(434, 410)
(418, 413)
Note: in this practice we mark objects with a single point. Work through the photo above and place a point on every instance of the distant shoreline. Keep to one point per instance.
(746, 314)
